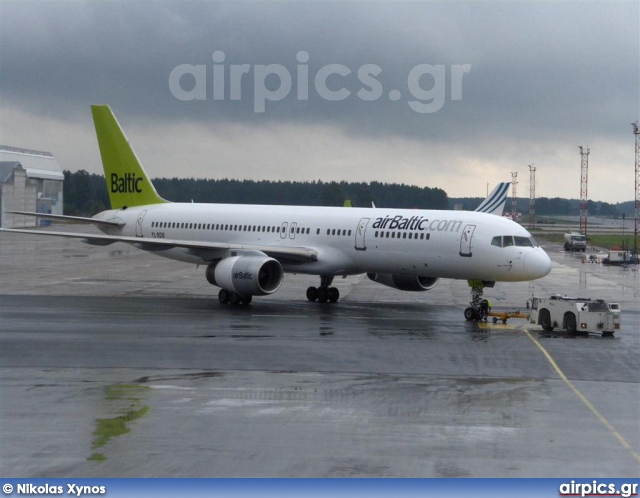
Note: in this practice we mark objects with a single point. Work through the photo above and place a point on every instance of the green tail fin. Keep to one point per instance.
(127, 182)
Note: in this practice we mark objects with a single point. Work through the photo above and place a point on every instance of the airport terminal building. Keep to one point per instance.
(30, 180)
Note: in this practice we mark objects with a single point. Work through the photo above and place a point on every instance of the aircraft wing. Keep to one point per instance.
(208, 251)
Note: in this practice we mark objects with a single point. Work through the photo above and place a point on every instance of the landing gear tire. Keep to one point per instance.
(312, 294)
(223, 296)
(334, 294)
(235, 298)
(323, 294)
(229, 297)
(470, 314)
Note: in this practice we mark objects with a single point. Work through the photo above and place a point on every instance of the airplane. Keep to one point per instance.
(247, 249)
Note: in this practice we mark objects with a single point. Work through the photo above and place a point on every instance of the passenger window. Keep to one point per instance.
(497, 241)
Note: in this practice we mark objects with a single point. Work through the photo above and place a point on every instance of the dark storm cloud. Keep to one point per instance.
(543, 78)
(540, 64)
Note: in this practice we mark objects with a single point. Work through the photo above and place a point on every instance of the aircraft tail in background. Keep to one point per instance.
(495, 201)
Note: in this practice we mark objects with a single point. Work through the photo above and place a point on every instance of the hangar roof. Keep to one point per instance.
(38, 164)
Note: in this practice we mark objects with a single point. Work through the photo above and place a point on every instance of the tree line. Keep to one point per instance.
(86, 194)
(554, 206)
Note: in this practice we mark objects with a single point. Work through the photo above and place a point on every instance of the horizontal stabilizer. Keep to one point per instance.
(77, 219)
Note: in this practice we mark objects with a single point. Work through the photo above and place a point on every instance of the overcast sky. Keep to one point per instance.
(441, 94)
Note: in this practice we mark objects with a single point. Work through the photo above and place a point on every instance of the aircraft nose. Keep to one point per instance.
(537, 264)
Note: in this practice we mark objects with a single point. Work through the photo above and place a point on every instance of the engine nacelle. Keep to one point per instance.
(248, 275)
(411, 283)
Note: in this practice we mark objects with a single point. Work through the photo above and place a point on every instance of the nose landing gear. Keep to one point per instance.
(480, 307)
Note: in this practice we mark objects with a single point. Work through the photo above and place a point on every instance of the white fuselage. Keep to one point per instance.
(427, 243)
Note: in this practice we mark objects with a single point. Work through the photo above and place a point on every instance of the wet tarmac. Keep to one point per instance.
(117, 363)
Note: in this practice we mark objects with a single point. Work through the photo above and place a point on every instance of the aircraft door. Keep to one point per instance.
(360, 232)
(139, 223)
(283, 230)
(292, 230)
(465, 241)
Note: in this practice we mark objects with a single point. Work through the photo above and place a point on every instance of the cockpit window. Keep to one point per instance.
(508, 241)
(523, 242)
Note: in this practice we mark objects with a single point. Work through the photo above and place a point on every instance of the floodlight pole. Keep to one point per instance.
(584, 175)
(636, 212)
(532, 196)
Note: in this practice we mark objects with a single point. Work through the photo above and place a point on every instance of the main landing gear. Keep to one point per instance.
(225, 296)
(324, 293)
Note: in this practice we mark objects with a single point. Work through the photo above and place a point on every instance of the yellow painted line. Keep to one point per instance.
(583, 398)
(496, 326)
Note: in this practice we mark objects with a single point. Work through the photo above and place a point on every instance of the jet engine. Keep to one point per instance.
(404, 282)
(246, 275)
